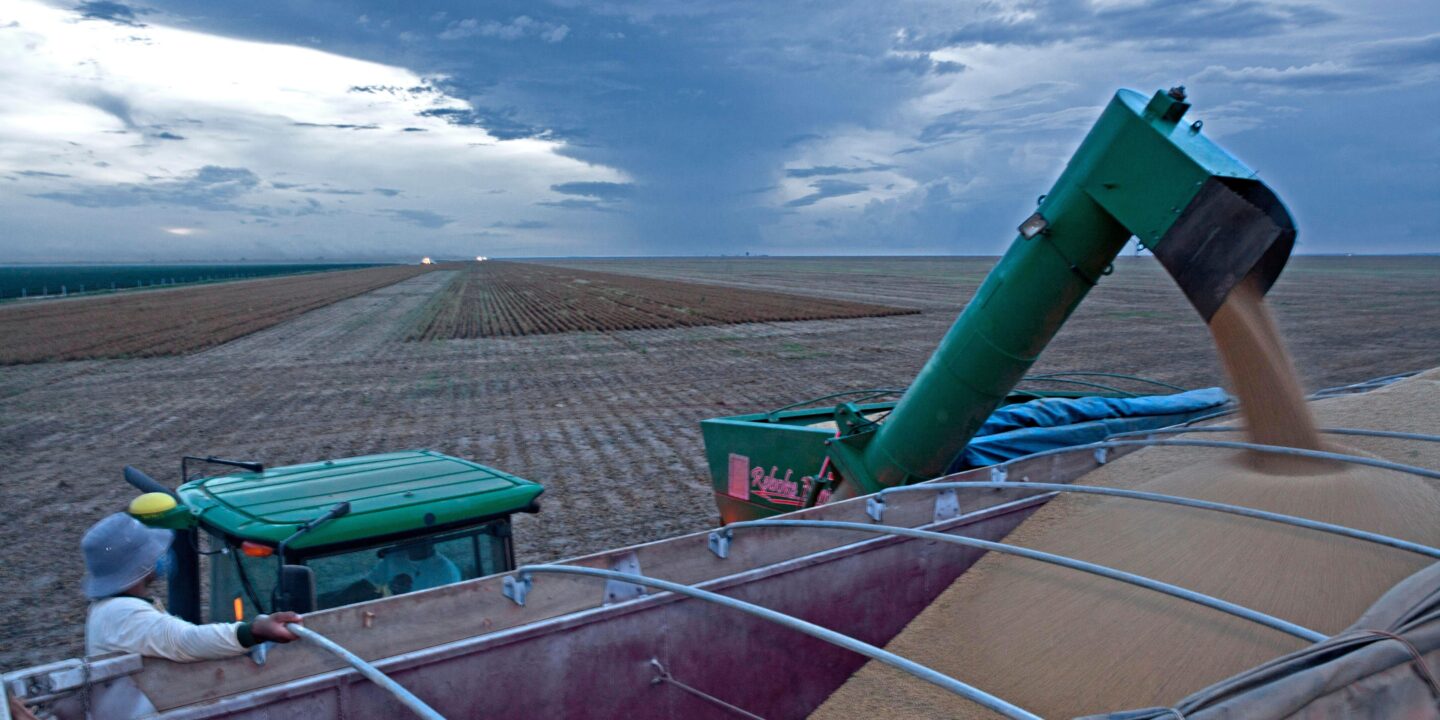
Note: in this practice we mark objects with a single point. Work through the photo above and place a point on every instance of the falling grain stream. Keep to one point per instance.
(1061, 643)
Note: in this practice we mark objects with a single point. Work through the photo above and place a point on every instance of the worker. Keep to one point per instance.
(413, 567)
(122, 558)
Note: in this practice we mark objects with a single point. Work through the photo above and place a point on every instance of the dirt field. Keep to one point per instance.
(177, 321)
(607, 421)
(496, 299)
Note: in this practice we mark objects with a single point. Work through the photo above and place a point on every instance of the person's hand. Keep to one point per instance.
(273, 627)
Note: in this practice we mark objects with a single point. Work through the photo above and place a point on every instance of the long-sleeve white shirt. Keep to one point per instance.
(131, 624)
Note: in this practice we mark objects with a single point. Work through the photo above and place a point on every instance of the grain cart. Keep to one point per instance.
(768, 618)
(323, 534)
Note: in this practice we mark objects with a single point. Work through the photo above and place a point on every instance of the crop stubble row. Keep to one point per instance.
(497, 298)
(174, 322)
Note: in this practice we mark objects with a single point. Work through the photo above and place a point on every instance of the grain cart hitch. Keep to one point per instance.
(1141, 172)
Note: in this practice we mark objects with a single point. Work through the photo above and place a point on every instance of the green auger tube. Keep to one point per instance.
(1139, 172)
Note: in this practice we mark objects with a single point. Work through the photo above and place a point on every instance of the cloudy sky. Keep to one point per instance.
(289, 129)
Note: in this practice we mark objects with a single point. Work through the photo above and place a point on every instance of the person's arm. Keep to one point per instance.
(133, 625)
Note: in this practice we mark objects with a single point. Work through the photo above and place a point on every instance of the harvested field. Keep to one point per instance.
(609, 422)
(497, 299)
(176, 321)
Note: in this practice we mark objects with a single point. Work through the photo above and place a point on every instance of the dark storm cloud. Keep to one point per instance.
(118, 13)
(421, 218)
(577, 204)
(522, 225)
(946, 126)
(111, 104)
(503, 123)
(918, 64)
(337, 126)
(393, 89)
(1368, 66)
(1042, 22)
(1401, 53)
(208, 188)
(516, 28)
(601, 190)
(1318, 77)
(40, 174)
(167, 135)
(316, 189)
(827, 189)
(794, 140)
(820, 170)
(702, 105)
(329, 191)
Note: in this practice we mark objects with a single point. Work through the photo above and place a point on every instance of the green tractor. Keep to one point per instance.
(319, 535)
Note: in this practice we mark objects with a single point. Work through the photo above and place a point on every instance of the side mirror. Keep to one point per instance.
(297, 589)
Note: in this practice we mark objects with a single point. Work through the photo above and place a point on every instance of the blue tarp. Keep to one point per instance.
(1025, 428)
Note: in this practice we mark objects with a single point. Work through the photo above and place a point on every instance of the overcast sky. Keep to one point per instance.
(295, 129)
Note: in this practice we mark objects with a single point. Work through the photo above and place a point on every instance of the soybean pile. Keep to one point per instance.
(1061, 643)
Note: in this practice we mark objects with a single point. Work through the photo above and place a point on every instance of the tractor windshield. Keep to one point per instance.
(355, 575)
(411, 564)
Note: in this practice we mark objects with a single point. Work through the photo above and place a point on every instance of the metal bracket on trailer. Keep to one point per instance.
(947, 506)
(875, 507)
(720, 542)
(516, 587)
(619, 590)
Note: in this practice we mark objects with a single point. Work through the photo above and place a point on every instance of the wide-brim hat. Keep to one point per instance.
(119, 552)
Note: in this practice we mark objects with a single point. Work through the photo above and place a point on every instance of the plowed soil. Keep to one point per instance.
(172, 322)
(607, 421)
(493, 299)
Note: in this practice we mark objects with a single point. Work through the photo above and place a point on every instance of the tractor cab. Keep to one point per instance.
(314, 536)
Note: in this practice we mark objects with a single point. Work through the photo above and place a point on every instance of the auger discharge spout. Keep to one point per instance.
(1142, 172)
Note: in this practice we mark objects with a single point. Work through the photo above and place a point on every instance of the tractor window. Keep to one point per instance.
(230, 574)
(411, 564)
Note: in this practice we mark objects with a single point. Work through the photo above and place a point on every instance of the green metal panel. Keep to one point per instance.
(388, 494)
(1152, 164)
(764, 464)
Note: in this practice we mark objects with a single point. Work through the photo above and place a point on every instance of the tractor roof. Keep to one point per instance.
(390, 494)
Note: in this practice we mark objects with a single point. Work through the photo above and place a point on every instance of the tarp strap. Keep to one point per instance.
(1421, 667)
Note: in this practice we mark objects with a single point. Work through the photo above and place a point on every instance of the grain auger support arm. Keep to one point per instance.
(1142, 172)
